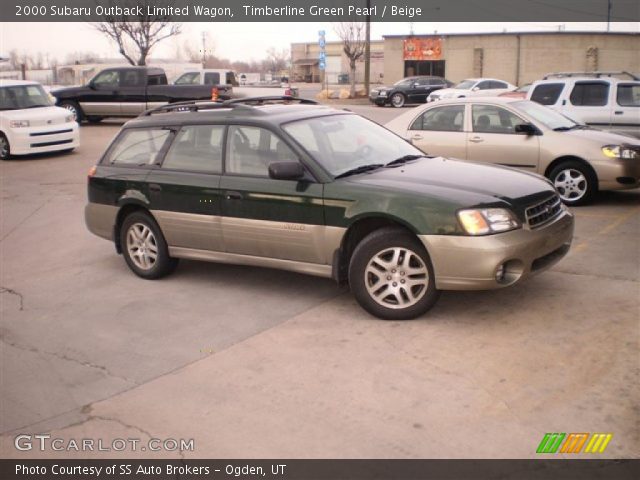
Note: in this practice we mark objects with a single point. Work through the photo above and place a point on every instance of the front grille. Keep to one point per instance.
(50, 144)
(542, 213)
(40, 134)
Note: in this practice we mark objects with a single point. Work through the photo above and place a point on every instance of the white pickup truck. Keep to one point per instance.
(598, 99)
(228, 77)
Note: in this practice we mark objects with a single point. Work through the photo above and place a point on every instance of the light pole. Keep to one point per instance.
(367, 51)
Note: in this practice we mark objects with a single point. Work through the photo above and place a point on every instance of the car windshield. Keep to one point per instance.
(341, 143)
(19, 97)
(404, 81)
(465, 85)
(547, 117)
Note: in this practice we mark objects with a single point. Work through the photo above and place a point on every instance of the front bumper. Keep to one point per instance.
(471, 263)
(617, 174)
(379, 100)
(50, 138)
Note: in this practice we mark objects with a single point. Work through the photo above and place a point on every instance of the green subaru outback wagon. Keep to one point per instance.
(303, 187)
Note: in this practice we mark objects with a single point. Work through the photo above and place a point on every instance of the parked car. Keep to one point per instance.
(214, 77)
(30, 123)
(472, 87)
(407, 90)
(601, 101)
(520, 92)
(324, 192)
(127, 92)
(578, 160)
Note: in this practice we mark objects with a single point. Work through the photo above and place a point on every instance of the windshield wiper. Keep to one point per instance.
(360, 169)
(405, 159)
(566, 129)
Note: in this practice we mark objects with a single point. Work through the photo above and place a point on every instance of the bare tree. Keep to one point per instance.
(353, 38)
(135, 39)
(276, 60)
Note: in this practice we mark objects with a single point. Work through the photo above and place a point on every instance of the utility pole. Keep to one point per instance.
(608, 15)
(367, 51)
(204, 48)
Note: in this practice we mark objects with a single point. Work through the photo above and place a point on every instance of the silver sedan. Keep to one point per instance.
(579, 160)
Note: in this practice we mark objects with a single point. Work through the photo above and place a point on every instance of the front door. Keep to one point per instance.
(264, 217)
(184, 190)
(493, 139)
(101, 97)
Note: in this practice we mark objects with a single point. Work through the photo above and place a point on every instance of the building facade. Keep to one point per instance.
(518, 58)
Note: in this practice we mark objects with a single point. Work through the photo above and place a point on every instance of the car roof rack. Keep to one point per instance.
(236, 103)
(596, 74)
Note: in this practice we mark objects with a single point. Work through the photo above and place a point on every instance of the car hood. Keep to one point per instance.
(450, 91)
(67, 92)
(601, 137)
(37, 116)
(466, 183)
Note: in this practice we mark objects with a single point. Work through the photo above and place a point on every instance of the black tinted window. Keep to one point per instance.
(496, 84)
(196, 148)
(138, 146)
(547, 93)
(131, 78)
(590, 94)
(628, 95)
(443, 119)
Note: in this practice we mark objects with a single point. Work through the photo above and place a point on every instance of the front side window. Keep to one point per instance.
(190, 78)
(109, 78)
(340, 143)
(492, 119)
(486, 85)
(441, 119)
(628, 95)
(196, 148)
(547, 93)
(139, 146)
(590, 94)
(23, 96)
(465, 85)
(250, 150)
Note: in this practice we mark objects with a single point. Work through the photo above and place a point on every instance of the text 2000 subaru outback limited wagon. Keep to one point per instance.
(324, 192)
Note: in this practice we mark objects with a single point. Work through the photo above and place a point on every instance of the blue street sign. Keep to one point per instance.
(322, 56)
(322, 42)
(321, 33)
(321, 65)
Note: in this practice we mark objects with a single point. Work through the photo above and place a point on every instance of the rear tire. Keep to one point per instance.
(144, 247)
(74, 109)
(576, 184)
(5, 148)
(391, 276)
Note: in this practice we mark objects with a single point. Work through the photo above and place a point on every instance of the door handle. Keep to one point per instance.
(155, 188)
(619, 112)
(476, 140)
(416, 137)
(233, 196)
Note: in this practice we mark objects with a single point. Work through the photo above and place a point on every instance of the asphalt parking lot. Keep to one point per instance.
(258, 363)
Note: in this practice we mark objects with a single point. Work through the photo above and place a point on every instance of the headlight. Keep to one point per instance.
(19, 123)
(382, 93)
(487, 220)
(619, 151)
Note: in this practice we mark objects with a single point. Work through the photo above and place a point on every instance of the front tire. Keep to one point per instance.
(575, 183)
(74, 109)
(391, 276)
(5, 148)
(94, 119)
(144, 247)
(398, 100)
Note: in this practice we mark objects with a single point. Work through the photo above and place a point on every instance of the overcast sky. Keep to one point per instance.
(239, 41)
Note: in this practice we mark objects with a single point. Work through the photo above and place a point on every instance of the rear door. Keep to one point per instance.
(493, 138)
(263, 217)
(184, 189)
(589, 101)
(625, 117)
(440, 131)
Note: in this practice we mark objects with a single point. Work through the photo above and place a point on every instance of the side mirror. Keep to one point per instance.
(286, 170)
(526, 129)
(92, 86)
(475, 89)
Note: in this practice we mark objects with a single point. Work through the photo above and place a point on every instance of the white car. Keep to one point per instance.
(603, 102)
(30, 123)
(485, 87)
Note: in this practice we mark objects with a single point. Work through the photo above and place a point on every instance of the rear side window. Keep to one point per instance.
(131, 78)
(496, 84)
(211, 78)
(196, 148)
(628, 95)
(547, 93)
(138, 147)
(590, 94)
(441, 119)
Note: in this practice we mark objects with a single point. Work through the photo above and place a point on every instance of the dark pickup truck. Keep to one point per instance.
(129, 91)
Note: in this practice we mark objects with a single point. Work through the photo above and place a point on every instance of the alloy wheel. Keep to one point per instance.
(396, 278)
(4, 148)
(397, 100)
(142, 246)
(72, 109)
(571, 184)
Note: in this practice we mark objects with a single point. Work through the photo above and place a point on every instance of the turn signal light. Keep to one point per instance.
(214, 94)
(92, 171)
